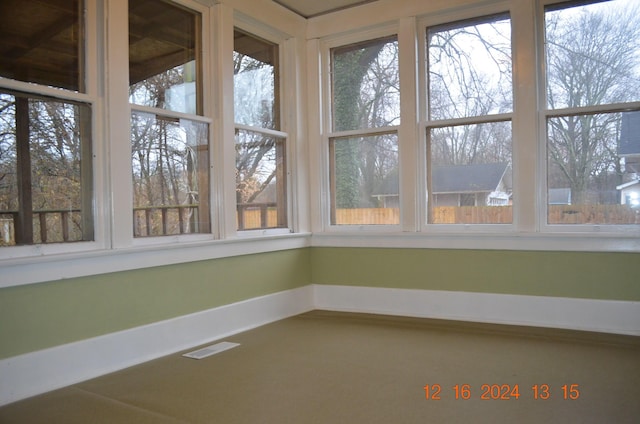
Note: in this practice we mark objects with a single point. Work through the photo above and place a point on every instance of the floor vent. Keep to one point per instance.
(210, 350)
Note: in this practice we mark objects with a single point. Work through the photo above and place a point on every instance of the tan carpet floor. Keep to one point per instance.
(331, 367)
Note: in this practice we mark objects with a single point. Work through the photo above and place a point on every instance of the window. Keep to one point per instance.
(363, 143)
(46, 181)
(261, 185)
(592, 112)
(169, 135)
(469, 137)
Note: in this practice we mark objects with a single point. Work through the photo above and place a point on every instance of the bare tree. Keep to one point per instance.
(470, 76)
(592, 59)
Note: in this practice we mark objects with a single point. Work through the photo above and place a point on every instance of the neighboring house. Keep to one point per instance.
(486, 184)
(559, 196)
(629, 150)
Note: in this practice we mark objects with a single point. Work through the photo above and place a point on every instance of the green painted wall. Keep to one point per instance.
(614, 276)
(39, 316)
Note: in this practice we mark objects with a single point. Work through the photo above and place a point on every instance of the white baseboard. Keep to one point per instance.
(41, 371)
(609, 316)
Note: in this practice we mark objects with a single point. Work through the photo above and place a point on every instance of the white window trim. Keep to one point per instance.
(287, 74)
(206, 117)
(528, 230)
(544, 114)
(326, 126)
(92, 50)
(114, 249)
(425, 123)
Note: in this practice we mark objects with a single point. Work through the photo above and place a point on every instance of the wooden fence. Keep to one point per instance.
(60, 226)
(558, 214)
(593, 214)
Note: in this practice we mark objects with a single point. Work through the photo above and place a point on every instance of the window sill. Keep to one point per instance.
(600, 242)
(29, 270)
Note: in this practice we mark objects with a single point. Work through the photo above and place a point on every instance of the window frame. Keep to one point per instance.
(88, 94)
(286, 104)
(545, 114)
(203, 114)
(426, 124)
(328, 134)
(117, 250)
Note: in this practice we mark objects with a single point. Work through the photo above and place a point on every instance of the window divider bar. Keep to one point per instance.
(364, 132)
(483, 119)
(42, 92)
(592, 110)
(166, 113)
(266, 131)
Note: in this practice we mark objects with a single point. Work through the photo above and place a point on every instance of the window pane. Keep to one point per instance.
(593, 164)
(42, 42)
(365, 84)
(170, 175)
(164, 65)
(45, 170)
(470, 174)
(364, 180)
(255, 82)
(470, 68)
(261, 188)
(593, 54)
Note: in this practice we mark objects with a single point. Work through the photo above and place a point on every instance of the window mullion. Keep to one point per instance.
(526, 172)
(118, 126)
(409, 141)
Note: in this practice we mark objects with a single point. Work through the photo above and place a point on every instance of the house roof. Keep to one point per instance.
(627, 185)
(474, 178)
(484, 177)
(630, 134)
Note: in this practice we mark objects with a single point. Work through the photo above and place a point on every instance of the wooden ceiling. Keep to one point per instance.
(39, 39)
(38, 42)
(161, 37)
(311, 8)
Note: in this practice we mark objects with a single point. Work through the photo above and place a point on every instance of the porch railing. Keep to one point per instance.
(51, 225)
(160, 221)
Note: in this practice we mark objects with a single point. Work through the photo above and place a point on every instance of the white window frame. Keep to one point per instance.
(327, 132)
(91, 97)
(287, 103)
(426, 124)
(527, 231)
(115, 248)
(631, 230)
(206, 117)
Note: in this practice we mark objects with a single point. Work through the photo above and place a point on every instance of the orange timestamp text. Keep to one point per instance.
(501, 392)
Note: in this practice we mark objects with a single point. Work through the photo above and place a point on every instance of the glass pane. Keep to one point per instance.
(45, 171)
(365, 84)
(164, 66)
(255, 82)
(170, 175)
(593, 54)
(365, 180)
(592, 169)
(42, 42)
(261, 189)
(470, 68)
(470, 174)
